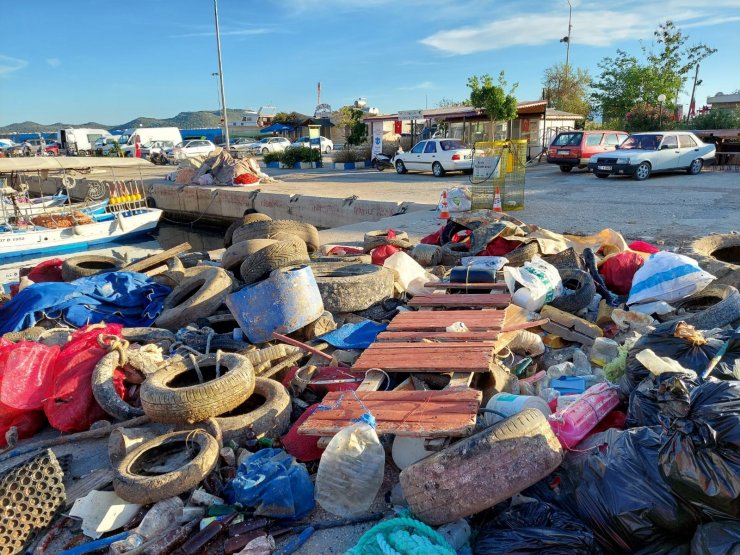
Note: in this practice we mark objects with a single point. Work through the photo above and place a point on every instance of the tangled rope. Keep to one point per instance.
(402, 536)
(114, 343)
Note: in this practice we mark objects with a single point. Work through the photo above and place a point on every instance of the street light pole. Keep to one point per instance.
(221, 76)
(567, 42)
(218, 95)
(661, 99)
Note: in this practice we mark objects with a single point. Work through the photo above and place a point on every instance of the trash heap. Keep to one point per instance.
(496, 388)
(219, 168)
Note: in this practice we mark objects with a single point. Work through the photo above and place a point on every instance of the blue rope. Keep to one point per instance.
(367, 417)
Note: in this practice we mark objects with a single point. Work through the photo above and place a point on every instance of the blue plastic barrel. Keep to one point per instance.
(285, 302)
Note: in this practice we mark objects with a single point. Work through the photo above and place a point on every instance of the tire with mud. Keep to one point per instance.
(175, 393)
(715, 306)
(236, 253)
(196, 297)
(279, 254)
(76, 267)
(266, 413)
(247, 219)
(374, 239)
(163, 338)
(135, 483)
(269, 230)
(583, 290)
(520, 255)
(105, 392)
(352, 287)
(506, 457)
(720, 256)
(345, 258)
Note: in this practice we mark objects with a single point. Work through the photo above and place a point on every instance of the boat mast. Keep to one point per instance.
(221, 78)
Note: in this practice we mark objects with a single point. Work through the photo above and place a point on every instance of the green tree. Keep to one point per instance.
(288, 118)
(350, 119)
(566, 88)
(445, 102)
(493, 98)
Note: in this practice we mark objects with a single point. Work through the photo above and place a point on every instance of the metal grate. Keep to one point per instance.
(499, 164)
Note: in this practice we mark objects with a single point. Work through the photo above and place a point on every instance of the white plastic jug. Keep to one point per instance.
(350, 471)
(410, 274)
(657, 364)
(509, 405)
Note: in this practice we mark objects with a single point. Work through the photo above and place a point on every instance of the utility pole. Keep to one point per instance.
(221, 77)
(692, 105)
(218, 94)
(566, 40)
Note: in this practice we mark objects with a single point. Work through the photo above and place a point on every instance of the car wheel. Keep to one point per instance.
(566, 169)
(643, 171)
(695, 167)
(400, 167)
(264, 151)
(327, 150)
(602, 175)
(438, 170)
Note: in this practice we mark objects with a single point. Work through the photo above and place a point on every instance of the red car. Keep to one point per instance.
(572, 149)
(50, 147)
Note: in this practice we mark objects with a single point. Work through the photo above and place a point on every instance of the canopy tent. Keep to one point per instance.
(277, 128)
(61, 163)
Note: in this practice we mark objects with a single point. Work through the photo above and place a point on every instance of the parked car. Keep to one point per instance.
(270, 144)
(571, 149)
(50, 148)
(107, 144)
(187, 149)
(436, 155)
(156, 147)
(643, 154)
(304, 142)
(241, 145)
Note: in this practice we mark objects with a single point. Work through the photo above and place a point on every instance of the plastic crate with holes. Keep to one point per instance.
(499, 164)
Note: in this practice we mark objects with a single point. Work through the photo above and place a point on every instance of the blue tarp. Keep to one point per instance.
(124, 298)
(354, 336)
(276, 128)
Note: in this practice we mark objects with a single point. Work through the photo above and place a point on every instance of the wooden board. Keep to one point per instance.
(427, 357)
(462, 301)
(448, 285)
(445, 413)
(156, 259)
(442, 336)
(475, 320)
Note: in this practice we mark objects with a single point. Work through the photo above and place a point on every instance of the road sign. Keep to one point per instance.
(377, 141)
(410, 115)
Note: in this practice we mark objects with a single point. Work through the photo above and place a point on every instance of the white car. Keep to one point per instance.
(188, 149)
(270, 144)
(436, 155)
(643, 154)
(304, 142)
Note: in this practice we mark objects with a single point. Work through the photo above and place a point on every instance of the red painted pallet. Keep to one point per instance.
(444, 413)
(427, 357)
(441, 336)
(475, 320)
(448, 285)
(462, 301)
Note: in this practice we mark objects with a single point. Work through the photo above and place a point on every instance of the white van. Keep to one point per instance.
(81, 141)
(148, 135)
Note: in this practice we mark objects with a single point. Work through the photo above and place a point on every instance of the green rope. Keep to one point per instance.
(401, 536)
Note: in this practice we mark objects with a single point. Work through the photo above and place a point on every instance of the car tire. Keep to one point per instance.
(566, 169)
(88, 265)
(695, 167)
(438, 170)
(400, 167)
(270, 418)
(264, 151)
(328, 150)
(352, 287)
(602, 175)
(643, 171)
(278, 229)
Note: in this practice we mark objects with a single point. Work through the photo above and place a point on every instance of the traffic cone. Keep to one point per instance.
(497, 201)
(444, 214)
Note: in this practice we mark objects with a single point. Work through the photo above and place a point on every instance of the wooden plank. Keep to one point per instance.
(446, 413)
(430, 361)
(156, 259)
(482, 320)
(96, 479)
(442, 336)
(460, 379)
(448, 285)
(498, 300)
(450, 345)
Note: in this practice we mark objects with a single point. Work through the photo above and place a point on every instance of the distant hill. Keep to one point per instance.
(183, 120)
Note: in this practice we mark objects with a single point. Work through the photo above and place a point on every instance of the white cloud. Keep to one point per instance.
(592, 26)
(54, 62)
(424, 85)
(8, 64)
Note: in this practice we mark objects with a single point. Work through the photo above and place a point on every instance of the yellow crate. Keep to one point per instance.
(510, 158)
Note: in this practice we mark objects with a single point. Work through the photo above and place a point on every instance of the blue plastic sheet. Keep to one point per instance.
(354, 336)
(274, 484)
(126, 298)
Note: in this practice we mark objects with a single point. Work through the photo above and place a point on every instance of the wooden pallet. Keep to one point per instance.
(445, 413)
(475, 320)
(462, 301)
(448, 285)
(427, 357)
(441, 336)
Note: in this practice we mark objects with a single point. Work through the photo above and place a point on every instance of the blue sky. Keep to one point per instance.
(113, 61)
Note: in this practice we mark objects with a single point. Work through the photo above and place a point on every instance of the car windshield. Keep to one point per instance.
(568, 139)
(452, 145)
(182, 144)
(641, 142)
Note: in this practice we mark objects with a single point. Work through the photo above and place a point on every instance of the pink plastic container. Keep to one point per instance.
(576, 420)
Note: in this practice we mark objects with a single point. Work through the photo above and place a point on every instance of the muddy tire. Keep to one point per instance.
(269, 230)
(720, 256)
(374, 239)
(507, 458)
(280, 254)
(88, 265)
(715, 306)
(266, 413)
(174, 394)
(196, 297)
(133, 483)
(163, 338)
(105, 392)
(352, 287)
(236, 253)
(583, 287)
(255, 217)
(247, 219)
(522, 254)
(346, 258)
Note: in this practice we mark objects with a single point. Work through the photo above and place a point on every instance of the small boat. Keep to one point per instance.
(53, 203)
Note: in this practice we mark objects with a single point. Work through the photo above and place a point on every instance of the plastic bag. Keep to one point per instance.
(667, 276)
(71, 406)
(618, 271)
(26, 422)
(646, 399)
(274, 484)
(717, 538)
(25, 374)
(458, 200)
(535, 527)
(48, 270)
(534, 284)
(692, 349)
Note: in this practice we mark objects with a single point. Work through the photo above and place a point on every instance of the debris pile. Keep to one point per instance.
(497, 388)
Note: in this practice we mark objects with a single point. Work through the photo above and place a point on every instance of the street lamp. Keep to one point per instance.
(566, 40)
(221, 75)
(661, 99)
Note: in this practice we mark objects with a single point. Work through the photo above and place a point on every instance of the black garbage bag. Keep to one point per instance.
(535, 527)
(717, 538)
(654, 392)
(691, 348)
(614, 485)
(701, 457)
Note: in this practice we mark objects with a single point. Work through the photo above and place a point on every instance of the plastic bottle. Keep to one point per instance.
(604, 350)
(577, 419)
(163, 515)
(657, 365)
(350, 471)
(559, 370)
(581, 365)
(509, 405)
(411, 275)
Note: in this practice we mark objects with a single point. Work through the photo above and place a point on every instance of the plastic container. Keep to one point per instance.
(568, 385)
(559, 370)
(472, 274)
(581, 365)
(657, 365)
(575, 421)
(408, 450)
(566, 400)
(350, 471)
(411, 275)
(162, 516)
(509, 405)
(603, 351)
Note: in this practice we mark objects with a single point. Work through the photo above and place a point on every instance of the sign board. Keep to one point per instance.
(377, 141)
(410, 115)
(9, 276)
(314, 136)
(322, 111)
(486, 167)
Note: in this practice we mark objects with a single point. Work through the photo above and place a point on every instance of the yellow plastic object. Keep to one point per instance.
(509, 175)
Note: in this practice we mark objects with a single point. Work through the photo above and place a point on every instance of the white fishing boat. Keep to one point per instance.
(51, 203)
